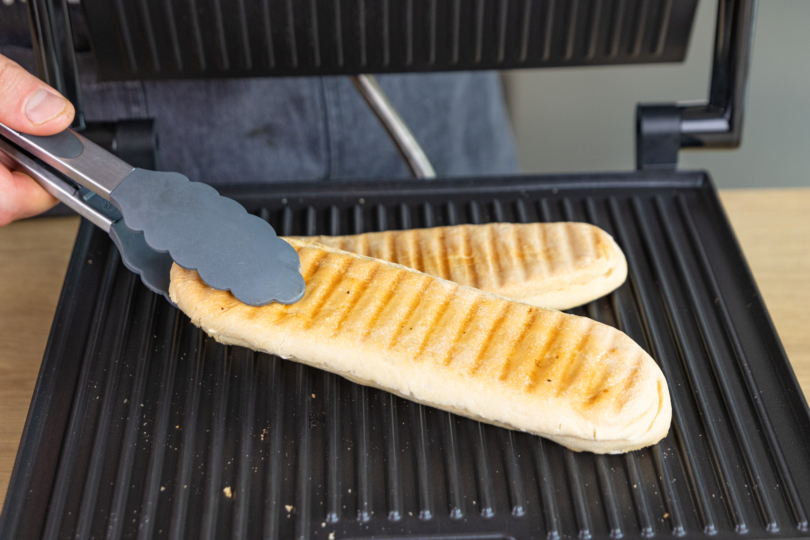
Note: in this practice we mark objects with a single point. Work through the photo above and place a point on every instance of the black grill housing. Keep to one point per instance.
(140, 422)
(176, 39)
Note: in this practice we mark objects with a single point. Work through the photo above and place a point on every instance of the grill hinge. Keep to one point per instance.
(658, 136)
(661, 130)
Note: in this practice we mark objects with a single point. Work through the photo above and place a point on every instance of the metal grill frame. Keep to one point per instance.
(133, 403)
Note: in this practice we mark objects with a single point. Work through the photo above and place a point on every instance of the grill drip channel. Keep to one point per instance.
(143, 427)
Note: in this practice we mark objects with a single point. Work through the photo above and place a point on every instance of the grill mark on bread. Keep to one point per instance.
(420, 349)
(492, 246)
(544, 250)
(593, 244)
(311, 262)
(442, 256)
(364, 245)
(597, 387)
(324, 291)
(625, 391)
(461, 329)
(573, 363)
(539, 363)
(413, 245)
(487, 341)
(469, 259)
(399, 325)
(600, 248)
(387, 296)
(519, 254)
(528, 322)
(566, 258)
(390, 249)
(585, 248)
(354, 299)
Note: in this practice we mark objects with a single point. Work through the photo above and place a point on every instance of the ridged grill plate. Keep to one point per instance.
(177, 39)
(143, 427)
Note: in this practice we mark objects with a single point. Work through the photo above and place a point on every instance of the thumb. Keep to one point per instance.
(29, 105)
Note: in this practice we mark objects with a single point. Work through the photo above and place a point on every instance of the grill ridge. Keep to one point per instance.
(222, 45)
(753, 390)
(386, 36)
(314, 33)
(246, 419)
(62, 483)
(663, 27)
(303, 497)
(275, 411)
(361, 10)
(333, 510)
(641, 21)
(479, 30)
(189, 425)
(394, 471)
(657, 349)
(291, 34)
(127, 458)
(516, 494)
(425, 495)
(198, 40)
(571, 29)
(687, 351)
(247, 59)
(709, 340)
(172, 26)
(125, 35)
(213, 469)
(361, 444)
(583, 518)
(90, 493)
(268, 34)
(593, 36)
(456, 30)
(609, 496)
(153, 471)
(485, 492)
(455, 495)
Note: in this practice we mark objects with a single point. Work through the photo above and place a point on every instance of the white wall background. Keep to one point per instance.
(582, 119)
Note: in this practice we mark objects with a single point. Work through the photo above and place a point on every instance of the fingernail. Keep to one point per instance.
(44, 106)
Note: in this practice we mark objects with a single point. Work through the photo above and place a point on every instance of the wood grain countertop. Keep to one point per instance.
(773, 227)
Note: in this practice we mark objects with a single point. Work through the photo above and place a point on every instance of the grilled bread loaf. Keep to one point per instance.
(551, 265)
(580, 383)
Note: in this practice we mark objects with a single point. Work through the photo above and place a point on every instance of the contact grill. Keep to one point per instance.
(142, 426)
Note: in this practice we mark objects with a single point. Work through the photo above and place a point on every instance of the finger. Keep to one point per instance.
(21, 197)
(29, 105)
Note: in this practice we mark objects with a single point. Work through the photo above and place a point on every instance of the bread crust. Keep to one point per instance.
(578, 382)
(551, 265)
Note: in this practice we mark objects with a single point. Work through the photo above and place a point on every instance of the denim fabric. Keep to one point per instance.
(308, 128)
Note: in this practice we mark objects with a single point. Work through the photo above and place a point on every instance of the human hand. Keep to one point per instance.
(27, 105)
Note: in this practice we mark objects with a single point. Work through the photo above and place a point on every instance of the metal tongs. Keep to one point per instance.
(156, 218)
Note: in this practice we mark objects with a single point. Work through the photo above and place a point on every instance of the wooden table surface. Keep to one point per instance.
(773, 227)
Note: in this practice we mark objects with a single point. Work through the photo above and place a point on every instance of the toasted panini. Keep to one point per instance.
(570, 379)
(551, 265)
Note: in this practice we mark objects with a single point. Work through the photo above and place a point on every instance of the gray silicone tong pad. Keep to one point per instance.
(201, 230)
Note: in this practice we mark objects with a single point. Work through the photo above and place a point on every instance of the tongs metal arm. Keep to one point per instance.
(78, 158)
(101, 213)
